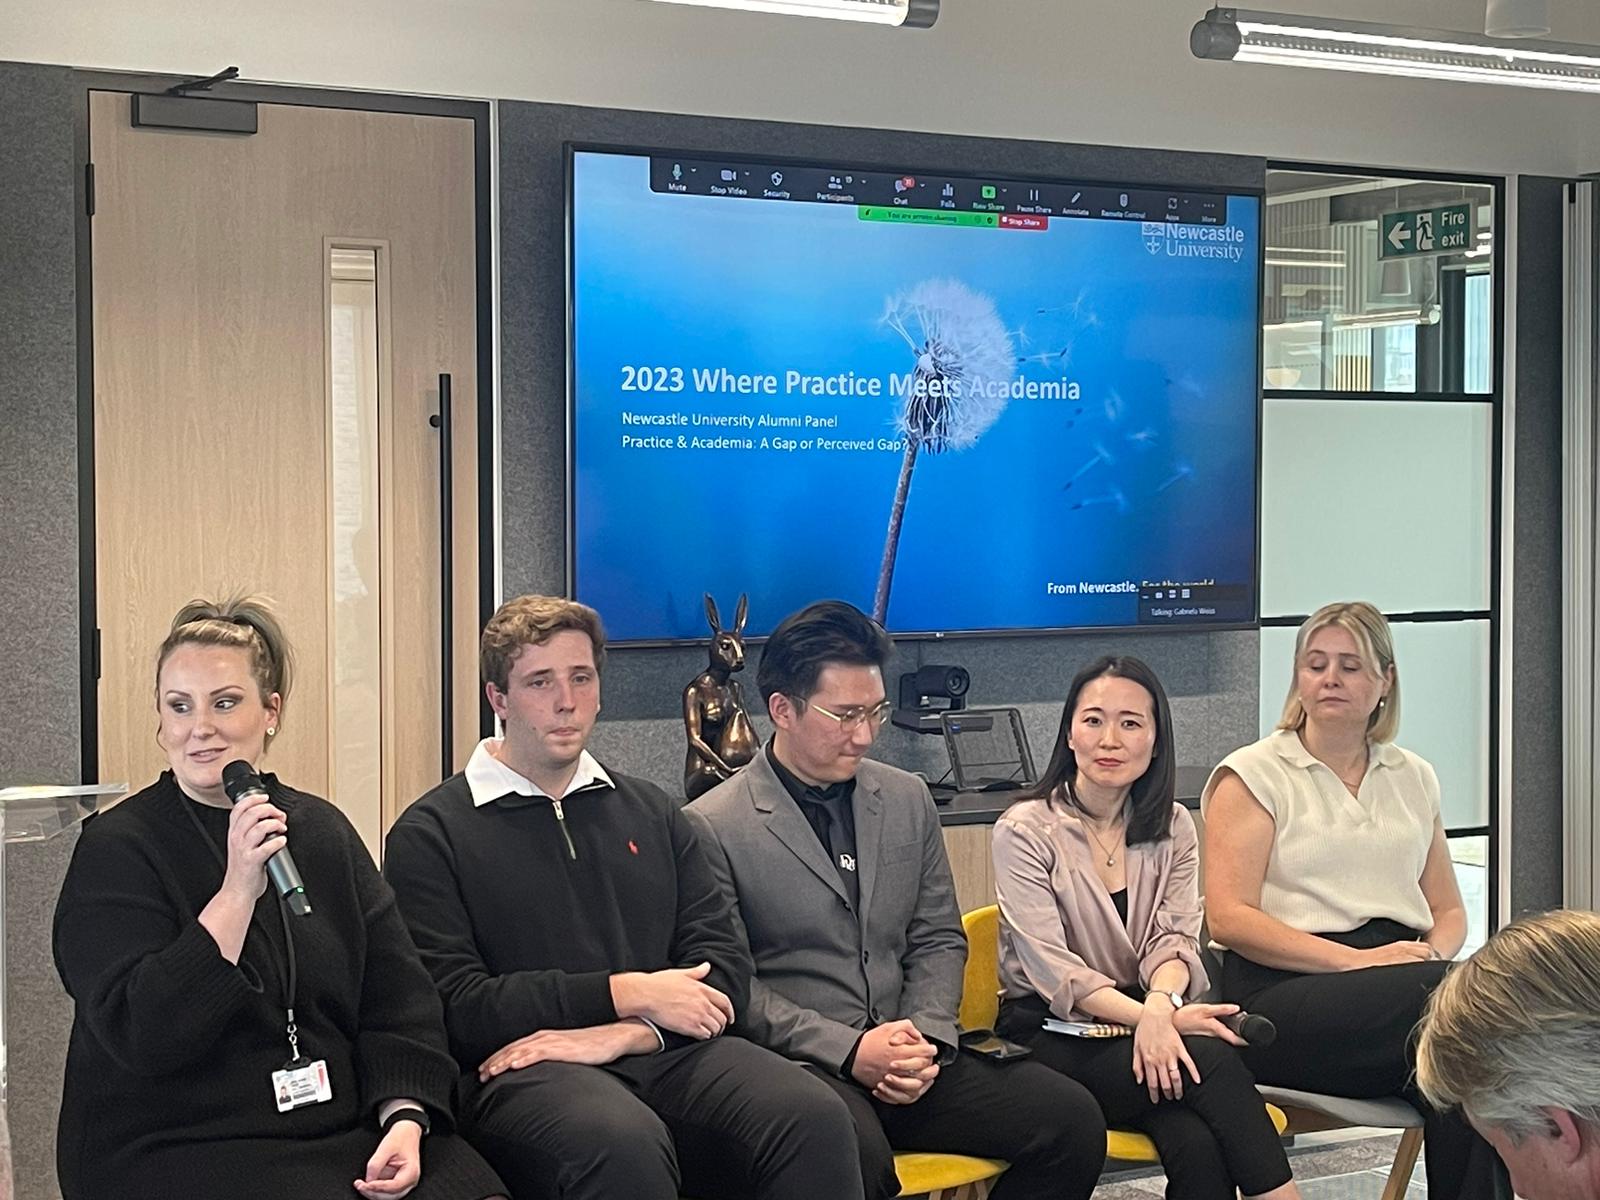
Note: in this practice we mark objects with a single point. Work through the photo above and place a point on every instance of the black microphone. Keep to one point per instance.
(1255, 1030)
(240, 780)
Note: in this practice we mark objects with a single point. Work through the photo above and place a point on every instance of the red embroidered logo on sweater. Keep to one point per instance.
(632, 848)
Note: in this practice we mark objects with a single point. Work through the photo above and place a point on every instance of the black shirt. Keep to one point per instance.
(831, 813)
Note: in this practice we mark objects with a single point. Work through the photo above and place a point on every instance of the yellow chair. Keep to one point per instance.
(980, 1006)
(980, 1001)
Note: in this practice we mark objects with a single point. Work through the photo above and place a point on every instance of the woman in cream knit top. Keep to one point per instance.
(1340, 858)
(1329, 881)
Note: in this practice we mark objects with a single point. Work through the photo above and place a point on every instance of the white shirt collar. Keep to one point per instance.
(488, 778)
(1290, 748)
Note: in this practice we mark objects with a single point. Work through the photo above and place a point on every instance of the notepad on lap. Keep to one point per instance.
(1086, 1028)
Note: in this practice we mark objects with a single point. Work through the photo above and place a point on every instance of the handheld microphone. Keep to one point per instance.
(239, 781)
(1255, 1030)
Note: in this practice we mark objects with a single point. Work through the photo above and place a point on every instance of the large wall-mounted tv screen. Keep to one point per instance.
(964, 404)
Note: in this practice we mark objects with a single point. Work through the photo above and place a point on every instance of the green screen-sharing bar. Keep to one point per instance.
(928, 216)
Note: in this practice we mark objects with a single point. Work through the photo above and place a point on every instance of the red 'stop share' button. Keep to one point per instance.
(1023, 221)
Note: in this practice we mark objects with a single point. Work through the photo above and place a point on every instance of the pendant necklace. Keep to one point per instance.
(1111, 857)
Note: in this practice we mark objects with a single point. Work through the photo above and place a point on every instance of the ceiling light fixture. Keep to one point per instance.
(1516, 18)
(1242, 35)
(1308, 264)
(1423, 314)
(909, 14)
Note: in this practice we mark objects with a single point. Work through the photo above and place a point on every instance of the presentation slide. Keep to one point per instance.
(961, 404)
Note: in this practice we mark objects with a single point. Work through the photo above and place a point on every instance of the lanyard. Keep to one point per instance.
(290, 974)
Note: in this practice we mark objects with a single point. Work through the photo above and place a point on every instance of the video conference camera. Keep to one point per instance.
(927, 692)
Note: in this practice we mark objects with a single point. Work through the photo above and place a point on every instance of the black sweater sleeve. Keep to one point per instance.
(705, 928)
(149, 982)
(483, 1011)
(400, 1044)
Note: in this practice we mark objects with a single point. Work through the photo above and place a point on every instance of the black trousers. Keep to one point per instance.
(1214, 1140)
(718, 1119)
(1349, 1033)
(1046, 1125)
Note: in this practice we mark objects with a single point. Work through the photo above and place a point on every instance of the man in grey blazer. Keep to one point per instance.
(843, 892)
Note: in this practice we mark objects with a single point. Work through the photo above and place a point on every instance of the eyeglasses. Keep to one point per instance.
(852, 719)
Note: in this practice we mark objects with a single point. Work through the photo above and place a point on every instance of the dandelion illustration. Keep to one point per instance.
(1101, 455)
(1114, 498)
(1180, 471)
(963, 360)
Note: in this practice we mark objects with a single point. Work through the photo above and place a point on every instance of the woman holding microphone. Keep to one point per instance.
(221, 1045)
(1098, 883)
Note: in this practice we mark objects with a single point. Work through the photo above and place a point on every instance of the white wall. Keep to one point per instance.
(1099, 71)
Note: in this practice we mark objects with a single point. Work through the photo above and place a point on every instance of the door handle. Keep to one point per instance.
(441, 422)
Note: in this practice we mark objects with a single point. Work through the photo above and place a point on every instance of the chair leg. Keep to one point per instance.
(1405, 1160)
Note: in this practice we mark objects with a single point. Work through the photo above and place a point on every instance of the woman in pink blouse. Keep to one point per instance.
(1100, 920)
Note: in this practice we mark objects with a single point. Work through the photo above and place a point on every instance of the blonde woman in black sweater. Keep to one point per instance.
(186, 1074)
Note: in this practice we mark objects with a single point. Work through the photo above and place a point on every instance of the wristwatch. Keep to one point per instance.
(409, 1113)
(1175, 997)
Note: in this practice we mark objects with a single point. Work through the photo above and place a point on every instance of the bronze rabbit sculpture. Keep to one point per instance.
(721, 736)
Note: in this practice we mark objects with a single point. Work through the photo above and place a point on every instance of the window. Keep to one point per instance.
(1352, 303)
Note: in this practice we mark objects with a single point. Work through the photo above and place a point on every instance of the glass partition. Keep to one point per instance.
(1381, 500)
(1444, 705)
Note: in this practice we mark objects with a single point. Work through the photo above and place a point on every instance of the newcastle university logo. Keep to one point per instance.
(1178, 240)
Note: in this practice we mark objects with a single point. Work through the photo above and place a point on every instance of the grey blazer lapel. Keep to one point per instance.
(868, 805)
(788, 824)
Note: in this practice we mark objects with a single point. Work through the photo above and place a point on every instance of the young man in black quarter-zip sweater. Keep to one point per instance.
(588, 962)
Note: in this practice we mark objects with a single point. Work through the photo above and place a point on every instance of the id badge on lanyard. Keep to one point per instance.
(300, 1081)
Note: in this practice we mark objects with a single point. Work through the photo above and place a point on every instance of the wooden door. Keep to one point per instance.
(223, 464)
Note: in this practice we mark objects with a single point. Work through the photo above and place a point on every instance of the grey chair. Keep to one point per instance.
(1312, 1112)
(1315, 1112)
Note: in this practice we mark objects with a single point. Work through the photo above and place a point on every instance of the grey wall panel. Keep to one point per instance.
(1535, 702)
(39, 707)
(1211, 675)
(1210, 679)
(38, 1012)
